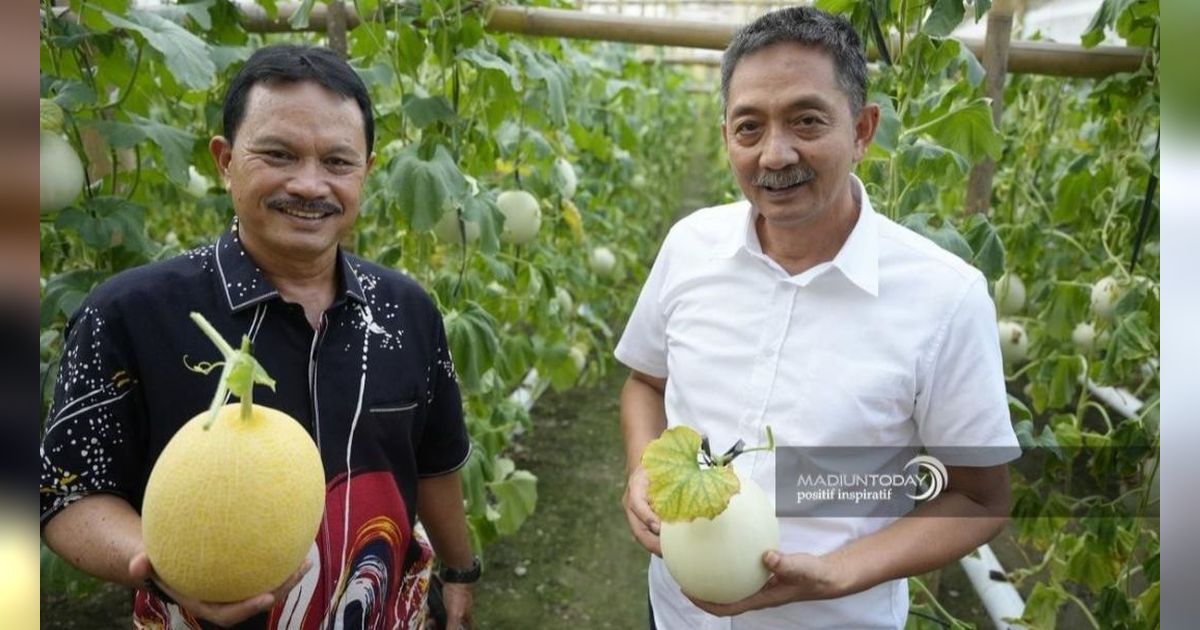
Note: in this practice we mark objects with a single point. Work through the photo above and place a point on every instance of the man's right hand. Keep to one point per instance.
(643, 522)
(224, 615)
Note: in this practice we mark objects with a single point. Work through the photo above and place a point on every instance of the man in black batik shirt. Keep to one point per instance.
(358, 353)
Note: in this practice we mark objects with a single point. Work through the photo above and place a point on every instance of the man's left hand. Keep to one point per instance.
(458, 599)
(795, 577)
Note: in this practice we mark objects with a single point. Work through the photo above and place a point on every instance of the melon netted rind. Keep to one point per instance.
(232, 511)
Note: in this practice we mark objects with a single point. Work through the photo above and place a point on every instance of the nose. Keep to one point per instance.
(777, 152)
(308, 181)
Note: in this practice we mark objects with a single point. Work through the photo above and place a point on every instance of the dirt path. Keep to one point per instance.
(573, 564)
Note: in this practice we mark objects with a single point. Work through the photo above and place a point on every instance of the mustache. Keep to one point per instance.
(303, 205)
(786, 177)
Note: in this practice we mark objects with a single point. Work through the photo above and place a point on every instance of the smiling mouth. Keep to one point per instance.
(306, 215)
(786, 188)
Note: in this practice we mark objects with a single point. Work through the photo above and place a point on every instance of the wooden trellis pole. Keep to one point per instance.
(995, 62)
(1045, 58)
(336, 27)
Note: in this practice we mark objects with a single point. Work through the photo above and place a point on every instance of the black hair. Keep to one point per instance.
(287, 63)
(806, 26)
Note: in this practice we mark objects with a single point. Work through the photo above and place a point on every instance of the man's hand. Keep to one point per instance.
(643, 522)
(458, 599)
(796, 577)
(223, 615)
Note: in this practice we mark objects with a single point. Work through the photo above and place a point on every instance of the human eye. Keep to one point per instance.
(809, 120)
(746, 128)
(340, 164)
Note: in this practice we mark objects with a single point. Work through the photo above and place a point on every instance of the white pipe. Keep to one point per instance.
(1118, 398)
(999, 596)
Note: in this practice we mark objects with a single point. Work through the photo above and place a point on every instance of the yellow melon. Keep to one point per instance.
(231, 511)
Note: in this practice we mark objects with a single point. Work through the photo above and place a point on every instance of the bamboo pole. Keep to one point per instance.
(1045, 58)
(995, 62)
(608, 27)
(336, 27)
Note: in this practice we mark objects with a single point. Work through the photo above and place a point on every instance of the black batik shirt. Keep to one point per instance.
(374, 386)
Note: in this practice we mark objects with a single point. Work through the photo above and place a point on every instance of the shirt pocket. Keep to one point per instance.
(859, 403)
(394, 422)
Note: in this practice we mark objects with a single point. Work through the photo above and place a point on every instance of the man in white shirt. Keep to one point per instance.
(803, 309)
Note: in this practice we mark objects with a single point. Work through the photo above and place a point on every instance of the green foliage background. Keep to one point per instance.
(463, 114)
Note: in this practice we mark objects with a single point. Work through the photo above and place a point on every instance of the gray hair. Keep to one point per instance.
(806, 26)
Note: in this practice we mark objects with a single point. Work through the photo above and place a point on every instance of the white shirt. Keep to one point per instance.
(892, 343)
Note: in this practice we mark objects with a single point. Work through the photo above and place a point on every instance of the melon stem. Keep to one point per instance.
(239, 374)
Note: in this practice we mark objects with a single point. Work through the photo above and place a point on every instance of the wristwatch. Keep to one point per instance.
(462, 576)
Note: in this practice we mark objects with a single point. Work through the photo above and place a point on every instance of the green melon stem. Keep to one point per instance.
(239, 374)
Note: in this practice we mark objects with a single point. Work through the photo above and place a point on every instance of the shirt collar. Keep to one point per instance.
(245, 285)
(858, 259)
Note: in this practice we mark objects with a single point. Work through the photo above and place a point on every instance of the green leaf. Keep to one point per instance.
(368, 39)
(928, 157)
(1072, 199)
(1068, 306)
(424, 111)
(965, 129)
(1101, 19)
(72, 94)
(974, 69)
(988, 250)
(981, 8)
(187, 56)
(1092, 565)
(225, 56)
(175, 144)
(65, 292)
(119, 135)
(482, 210)
(93, 13)
(944, 234)
(480, 57)
(1150, 568)
(299, 19)
(474, 486)
(1148, 605)
(836, 6)
(1041, 610)
(426, 188)
(516, 498)
(473, 343)
(1018, 412)
(410, 48)
(679, 489)
(887, 136)
(945, 16)
(538, 65)
(197, 11)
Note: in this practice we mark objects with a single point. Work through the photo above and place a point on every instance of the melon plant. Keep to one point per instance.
(61, 172)
(1105, 295)
(565, 178)
(1014, 341)
(602, 261)
(522, 216)
(1084, 337)
(234, 501)
(716, 522)
(1010, 294)
(447, 229)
